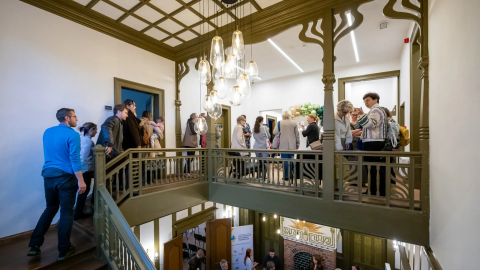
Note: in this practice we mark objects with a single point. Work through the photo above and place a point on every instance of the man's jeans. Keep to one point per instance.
(60, 191)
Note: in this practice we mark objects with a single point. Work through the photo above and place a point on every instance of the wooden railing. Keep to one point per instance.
(127, 176)
(414, 257)
(354, 174)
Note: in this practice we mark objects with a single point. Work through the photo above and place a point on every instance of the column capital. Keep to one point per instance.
(423, 64)
(328, 80)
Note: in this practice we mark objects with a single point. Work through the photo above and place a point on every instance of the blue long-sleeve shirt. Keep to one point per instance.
(61, 149)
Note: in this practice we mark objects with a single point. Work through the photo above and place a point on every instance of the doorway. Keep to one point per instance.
(271, 124)
(146, 98)
(224, 121)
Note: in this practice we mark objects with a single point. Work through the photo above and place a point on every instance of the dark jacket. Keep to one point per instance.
(194, 263)
(275, 260)
(312, 132)
(111, 135)
(190, 136)
(131, 132)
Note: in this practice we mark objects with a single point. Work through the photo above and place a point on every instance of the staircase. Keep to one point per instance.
(14, 249)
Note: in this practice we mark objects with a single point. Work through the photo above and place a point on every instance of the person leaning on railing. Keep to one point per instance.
(374, 131)
(289, 140)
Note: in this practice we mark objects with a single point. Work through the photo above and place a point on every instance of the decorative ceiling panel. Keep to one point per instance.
(126, 4)
(173, 42)
(187, 35)
(168, 6)
(244, 10)
(156, 34)
(83, 2)
(222, 20)
(108, 10)
(206, 7)
(267, 3)
(203, 28)
(187, 17)
(134, 23)
(170, 26)
(149, 14)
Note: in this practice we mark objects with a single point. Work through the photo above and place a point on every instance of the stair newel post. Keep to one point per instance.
(210, 141)
(100, 179)
(328, 113)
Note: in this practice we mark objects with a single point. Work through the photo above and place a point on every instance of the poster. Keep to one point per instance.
(242, 239)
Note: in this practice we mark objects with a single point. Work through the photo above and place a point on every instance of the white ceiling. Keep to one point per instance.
(374, 45)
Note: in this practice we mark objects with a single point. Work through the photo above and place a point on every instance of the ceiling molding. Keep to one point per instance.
(76, 12)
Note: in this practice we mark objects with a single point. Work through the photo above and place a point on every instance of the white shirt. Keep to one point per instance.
(86, 154)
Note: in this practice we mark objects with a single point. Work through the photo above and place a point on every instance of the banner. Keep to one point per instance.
(309, 233)
(242, 239)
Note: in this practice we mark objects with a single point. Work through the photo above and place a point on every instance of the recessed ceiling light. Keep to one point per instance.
(352, 34)
(284, 54)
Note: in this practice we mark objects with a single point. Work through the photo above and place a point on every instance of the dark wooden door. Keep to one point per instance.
(369, 252)
(172, 254)
(219, 243)
(269, 238)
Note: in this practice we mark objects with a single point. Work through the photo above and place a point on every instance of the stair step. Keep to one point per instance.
(91, 263)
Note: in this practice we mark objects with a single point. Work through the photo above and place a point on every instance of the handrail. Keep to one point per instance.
(432, 260)
(404, 263)
(134, 248)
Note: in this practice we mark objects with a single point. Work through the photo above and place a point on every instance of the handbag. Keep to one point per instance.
(316, 145)
(276, 140)
(269, 145)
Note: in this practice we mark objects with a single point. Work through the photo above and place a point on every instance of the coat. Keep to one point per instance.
(289, 138)
(312, 132)
(190, 137)
(131, 132)
(342, 131)
(238, 139)
(111, 135)
(261, 138)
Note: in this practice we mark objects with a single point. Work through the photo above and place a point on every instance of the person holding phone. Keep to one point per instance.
(248, 260)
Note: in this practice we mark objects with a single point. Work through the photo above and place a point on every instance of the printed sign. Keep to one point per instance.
(242, 239)
(309, 233)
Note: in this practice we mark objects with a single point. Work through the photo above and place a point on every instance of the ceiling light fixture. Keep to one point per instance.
(284, 54)
(352, 34)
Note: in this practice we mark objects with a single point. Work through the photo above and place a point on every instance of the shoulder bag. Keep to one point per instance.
(316, 145)
(276, 140)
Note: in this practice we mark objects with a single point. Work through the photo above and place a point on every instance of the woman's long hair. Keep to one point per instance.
(247, 255)
(256, 128)
(318, 258)
(147, 115)
(87, 127)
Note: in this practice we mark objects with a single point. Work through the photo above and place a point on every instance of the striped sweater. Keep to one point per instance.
(374, 124)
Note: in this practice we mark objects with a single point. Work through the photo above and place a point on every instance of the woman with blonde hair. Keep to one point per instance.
(289, 140)
(343, 132)
(313, 130)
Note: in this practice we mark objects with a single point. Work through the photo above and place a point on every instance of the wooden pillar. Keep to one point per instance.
(210, 138)
(98, 216)
(156, 243)
(424, 111)
(328, 113)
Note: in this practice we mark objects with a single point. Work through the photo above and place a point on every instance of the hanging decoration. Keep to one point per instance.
(204, 74)
(238, 46)
(216, 112)
(201, 125)
(243, 83)
(236, 98)
(306, 109)
(221, 85)
(252, 68)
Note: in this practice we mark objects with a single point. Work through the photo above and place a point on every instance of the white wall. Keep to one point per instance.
(47, 62)
(454, 95)
(405, 83)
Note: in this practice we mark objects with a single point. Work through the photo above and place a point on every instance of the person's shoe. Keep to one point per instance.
(81, 216)
(34, 251)
(69, 252)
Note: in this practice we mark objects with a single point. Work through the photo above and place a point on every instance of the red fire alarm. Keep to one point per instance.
(407, 40)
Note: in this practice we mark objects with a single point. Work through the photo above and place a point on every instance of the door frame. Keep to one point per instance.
(275, 119)
(228, 122)
(158, 93)
(369, 77)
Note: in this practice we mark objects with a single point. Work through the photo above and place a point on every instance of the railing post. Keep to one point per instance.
(98, 217)
(328, 113)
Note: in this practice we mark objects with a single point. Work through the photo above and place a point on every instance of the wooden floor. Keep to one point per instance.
(14, 249)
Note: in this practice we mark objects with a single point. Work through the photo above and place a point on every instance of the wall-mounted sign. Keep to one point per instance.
(108, 108)
(309, 233)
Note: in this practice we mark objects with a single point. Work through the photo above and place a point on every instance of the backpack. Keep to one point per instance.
(404, 136)
(393, 129)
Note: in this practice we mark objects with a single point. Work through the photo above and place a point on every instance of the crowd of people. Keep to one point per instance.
(68, 167)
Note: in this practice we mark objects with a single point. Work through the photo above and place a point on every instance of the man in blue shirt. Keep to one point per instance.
(62, 173)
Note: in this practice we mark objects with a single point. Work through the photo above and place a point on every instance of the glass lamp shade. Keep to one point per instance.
(216, 111)
(252, 69)
(221, 85)
(243, 83)
(201, 125)
(217, 53)
(218, 72)
(214, 94)
(204, 73)
(238, 46)
(207, 103)
(231, 66)
(236, 98)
